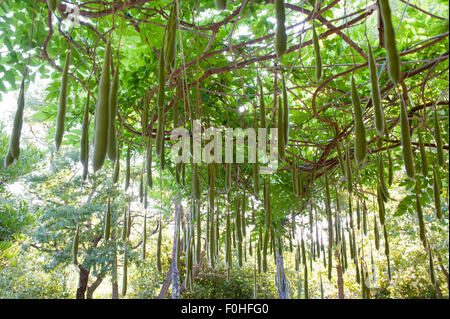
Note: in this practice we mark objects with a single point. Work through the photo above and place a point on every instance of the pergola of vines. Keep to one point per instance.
(325, 107)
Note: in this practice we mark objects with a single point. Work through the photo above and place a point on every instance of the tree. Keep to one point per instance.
(358, 93)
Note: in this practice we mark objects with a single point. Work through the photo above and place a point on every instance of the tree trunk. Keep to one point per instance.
(281, 282)
(444, 271)
(340, 280)
(91, 288)
(438, 289)
(169, 276)
(82, 282)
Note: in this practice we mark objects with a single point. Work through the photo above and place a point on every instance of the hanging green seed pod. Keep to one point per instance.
(352, 245)
(297, 257)
(281, 37)
(243, 207)
(430, 259)
(160, 105)
(14, 143)
(52, 5)
(233, 231)
(381, 211)
(212, 190)
(102, 112)
(285, 112)
(196, 209)
(84, 143)
(438, 139)
(216, 171)
(382, 178)
(389, 37)
(302, 241)
(240, 263)
(348, 170)
(306, 282)
(377, 234)
(128, 168)
(144, 237)
(256, 179)
(300, 182)
(280, 124)
(149, 161)
(113, 101)
(212, 241)
(358, 214)
(160, 136)
(330, 261)
(116, 168)
(75, 243)
(221, 4)
(423, 155)
(264, 253)
(267, 206)
(228, 177)
(162, 79)
(158, 249)
(145, 198)
(420, 216)
(141, 188)
(262, 104)
(255, 287)
(195, 180)
(145, 114)
(406, 141)
(294, 178)
(364, 210)
(129, 224)
(183, 174)
(171, 45)
(177, 173)
(388, 259)
(344, 251)
(62, 106)
(124, 226)
(237, 215)
(437, 193)
(272, 244)
(228, 241)
(163, 156)
(107, 229)
(350, 211)
(360, 131)
(386, 241)
(375, 94)
(125, 271)
(317, 55)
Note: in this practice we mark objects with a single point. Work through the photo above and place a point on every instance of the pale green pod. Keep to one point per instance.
(102, 112)
(62, 105)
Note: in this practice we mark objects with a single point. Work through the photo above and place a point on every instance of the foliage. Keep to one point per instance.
(219, 57)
